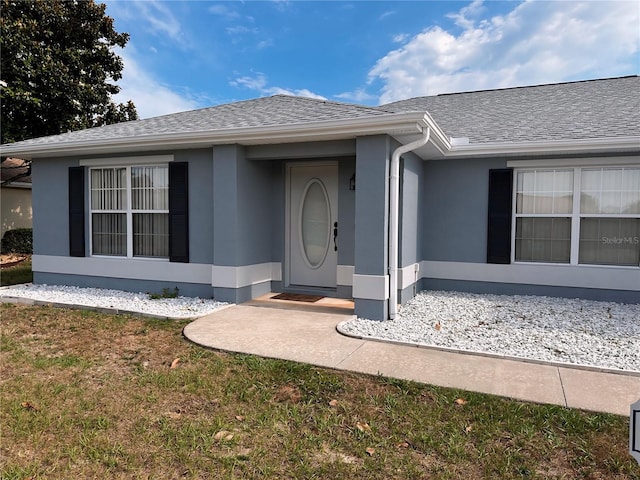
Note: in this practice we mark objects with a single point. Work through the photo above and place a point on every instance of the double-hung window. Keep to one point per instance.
(130, 211)
(578, 216)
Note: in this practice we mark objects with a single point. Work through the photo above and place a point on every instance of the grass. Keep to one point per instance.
(87, 395)
(17, 274)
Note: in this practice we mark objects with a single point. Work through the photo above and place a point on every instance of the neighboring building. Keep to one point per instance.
(15, 195)
(531, 190)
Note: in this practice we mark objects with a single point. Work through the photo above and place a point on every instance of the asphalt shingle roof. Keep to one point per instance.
(563, 111)
(260, 112)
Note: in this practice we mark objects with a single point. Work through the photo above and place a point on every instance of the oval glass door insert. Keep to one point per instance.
(315, 223)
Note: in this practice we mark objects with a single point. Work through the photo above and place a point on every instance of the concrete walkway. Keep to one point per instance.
(305, 333)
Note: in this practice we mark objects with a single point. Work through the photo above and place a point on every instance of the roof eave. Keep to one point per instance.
(406, 123)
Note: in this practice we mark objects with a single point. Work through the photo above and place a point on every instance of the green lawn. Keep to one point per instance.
(20, 273)
(88, 395)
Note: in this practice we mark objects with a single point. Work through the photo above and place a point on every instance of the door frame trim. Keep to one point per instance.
(286, 280)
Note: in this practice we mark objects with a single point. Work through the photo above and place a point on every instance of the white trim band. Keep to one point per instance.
(371, 287)
(245, 275)
(131, 268)
(160, 270)
(345, 275)
(579, 276)
(409, 275)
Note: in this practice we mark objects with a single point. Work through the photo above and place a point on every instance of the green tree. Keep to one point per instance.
(58, 68)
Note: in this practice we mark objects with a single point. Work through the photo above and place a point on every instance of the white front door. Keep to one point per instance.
(313, 224)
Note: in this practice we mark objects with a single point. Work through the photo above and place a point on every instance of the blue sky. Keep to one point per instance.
(190, 54)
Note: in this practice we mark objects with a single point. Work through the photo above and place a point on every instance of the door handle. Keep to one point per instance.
(335, 235)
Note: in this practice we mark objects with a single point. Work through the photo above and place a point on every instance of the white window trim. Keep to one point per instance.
(129, 211)
(523, 166)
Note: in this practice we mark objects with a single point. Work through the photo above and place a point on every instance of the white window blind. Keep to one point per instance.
(130, 211)
(578, 215)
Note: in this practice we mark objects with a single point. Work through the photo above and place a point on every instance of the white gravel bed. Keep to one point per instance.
(582, 332)
(179, 307)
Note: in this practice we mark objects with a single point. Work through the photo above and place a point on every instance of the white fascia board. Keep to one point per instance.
(401, 123)
(547, 147)
(437, 138)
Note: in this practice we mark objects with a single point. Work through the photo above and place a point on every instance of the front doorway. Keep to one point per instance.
(312, 225)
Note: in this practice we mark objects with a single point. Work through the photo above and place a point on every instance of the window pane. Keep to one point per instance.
(545, 192)
(150, 188)
(631, 191)
(610, 241)
(610, 191)
(109, 236)
(108, 188)
(543, 240)
(151, 234)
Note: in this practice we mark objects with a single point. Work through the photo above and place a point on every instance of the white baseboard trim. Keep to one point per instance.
(245, 275)
(345, 275)
(409, 275)
(581, 276)
(129, 268)
(157, 270)
(371, 287)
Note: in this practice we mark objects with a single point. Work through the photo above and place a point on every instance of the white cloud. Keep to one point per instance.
(240, 30)
(161, 19)
(537, 42)
(259, 84)
(386, 14)
(400, 38)
(281, 5)
(150, 97)
(223, 11)
(264, 44)
(156, 16)
(359, 95)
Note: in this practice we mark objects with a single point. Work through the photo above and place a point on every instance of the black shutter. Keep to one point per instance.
(76, 212)
(179, 212)
(499, 226)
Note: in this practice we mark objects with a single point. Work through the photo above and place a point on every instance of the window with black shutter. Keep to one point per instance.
(76, 212)
(499, 221)
(179, 212)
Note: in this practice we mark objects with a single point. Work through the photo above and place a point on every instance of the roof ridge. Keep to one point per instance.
(521, 87)
(534, 86)
(326, 101)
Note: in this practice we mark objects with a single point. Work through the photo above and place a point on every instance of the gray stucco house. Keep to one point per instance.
(532, 190)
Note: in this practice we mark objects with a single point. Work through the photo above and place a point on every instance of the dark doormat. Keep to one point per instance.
(297, 297)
